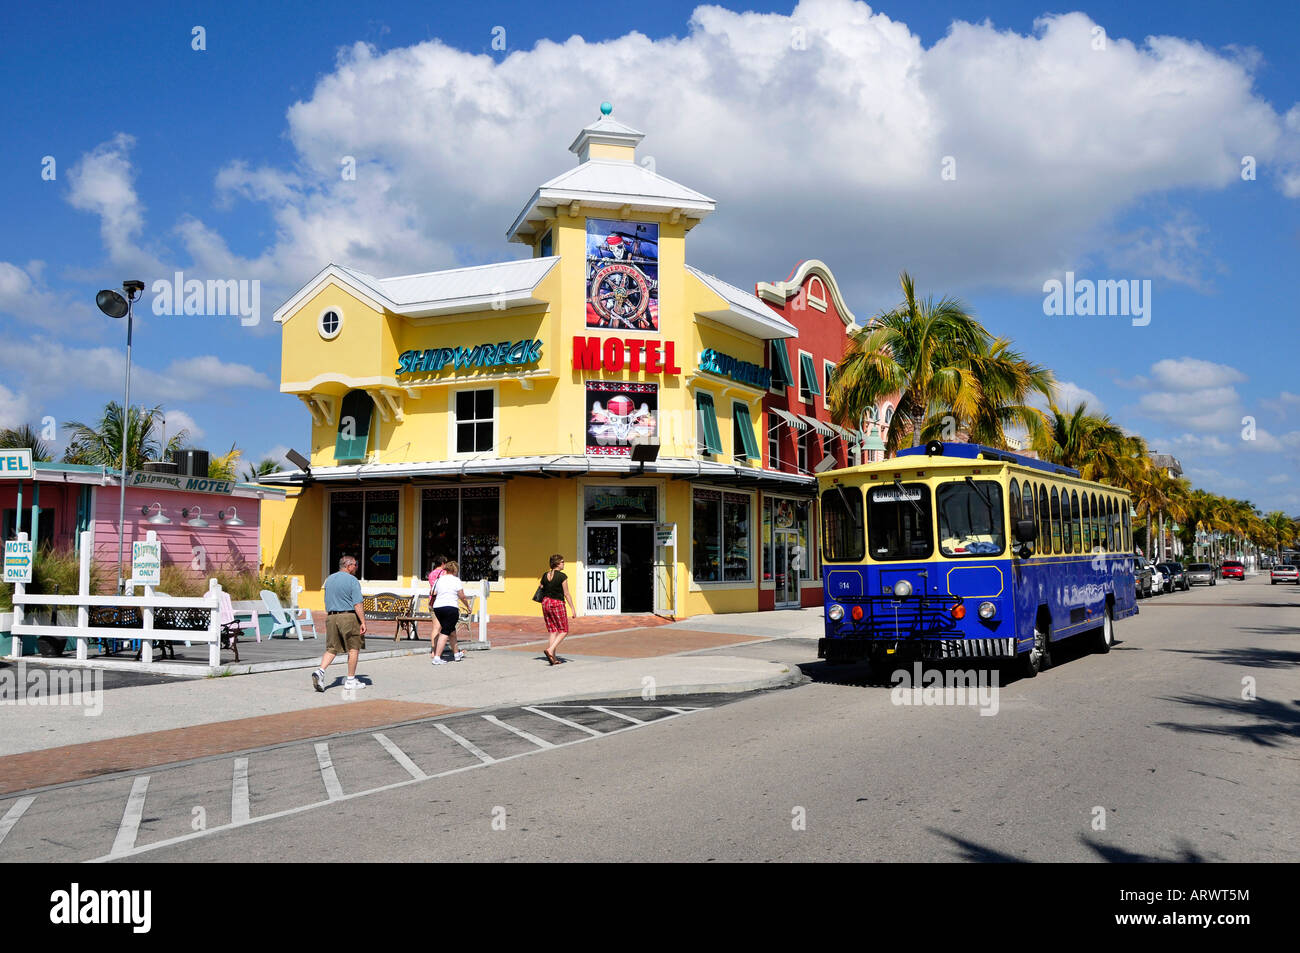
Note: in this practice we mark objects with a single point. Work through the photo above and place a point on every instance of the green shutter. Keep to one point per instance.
(746, 427)
(781, 376)
(707, 423)
(357, 405)
(809, 374)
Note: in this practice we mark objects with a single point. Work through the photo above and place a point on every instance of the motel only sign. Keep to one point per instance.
(19, 555)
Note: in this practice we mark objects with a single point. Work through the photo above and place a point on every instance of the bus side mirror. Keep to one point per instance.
(1026, 531)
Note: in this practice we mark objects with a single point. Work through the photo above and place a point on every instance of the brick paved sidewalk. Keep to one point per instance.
(505, 630)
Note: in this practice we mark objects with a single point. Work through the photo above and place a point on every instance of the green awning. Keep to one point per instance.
(706, 421)
(745, 426)
(809, 374)
(781, 376)
(354, 427)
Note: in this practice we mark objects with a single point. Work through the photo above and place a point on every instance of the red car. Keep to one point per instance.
(1234, 570)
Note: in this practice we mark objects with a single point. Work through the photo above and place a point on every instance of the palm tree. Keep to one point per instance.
(943, 364)
(264, 466)
(1090, 443)
(100, 443)
(224, 466)
(24, 436)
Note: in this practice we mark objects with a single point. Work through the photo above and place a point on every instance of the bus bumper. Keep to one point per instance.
(860, 650)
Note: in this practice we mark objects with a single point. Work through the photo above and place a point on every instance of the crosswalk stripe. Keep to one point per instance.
(526, 735)
(563, 721)
(239, 792)
(465, 743)
(617, 714)
(13, 814)
(134, 810)
(327, 774)
(399, 756)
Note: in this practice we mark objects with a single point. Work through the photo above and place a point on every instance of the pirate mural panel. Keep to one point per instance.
(622, 275)
(619, 413)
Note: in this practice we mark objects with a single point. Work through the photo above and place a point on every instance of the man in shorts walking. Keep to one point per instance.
(345, 624)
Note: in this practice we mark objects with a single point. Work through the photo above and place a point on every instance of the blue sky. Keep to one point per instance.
(1113, 163)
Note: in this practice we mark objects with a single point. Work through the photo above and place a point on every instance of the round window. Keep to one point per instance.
(330, 323)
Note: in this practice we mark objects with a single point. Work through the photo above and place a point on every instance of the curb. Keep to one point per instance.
(786, 678)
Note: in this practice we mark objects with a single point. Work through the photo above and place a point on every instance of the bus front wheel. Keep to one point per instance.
(1039, 657)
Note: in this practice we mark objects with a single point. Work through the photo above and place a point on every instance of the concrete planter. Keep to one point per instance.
(6, 638)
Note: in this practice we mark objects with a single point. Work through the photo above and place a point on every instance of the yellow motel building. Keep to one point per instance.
(601, 399)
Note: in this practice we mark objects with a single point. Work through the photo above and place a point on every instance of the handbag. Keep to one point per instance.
(537, 596)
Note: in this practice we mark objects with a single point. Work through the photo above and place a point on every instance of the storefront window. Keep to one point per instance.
(463, 524)
(721, 539)
(364, 524)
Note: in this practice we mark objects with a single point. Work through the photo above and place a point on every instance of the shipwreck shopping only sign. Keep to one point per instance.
(146, 563)
(18, 560)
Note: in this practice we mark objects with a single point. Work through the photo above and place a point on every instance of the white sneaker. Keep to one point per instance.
(438, 660)
(352, 684)
(458, 656)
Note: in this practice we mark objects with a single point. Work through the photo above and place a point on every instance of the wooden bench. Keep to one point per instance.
(390, 607)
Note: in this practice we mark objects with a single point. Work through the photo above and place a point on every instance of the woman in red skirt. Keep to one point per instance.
(555, 593)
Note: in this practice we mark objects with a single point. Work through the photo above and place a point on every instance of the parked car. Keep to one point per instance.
(1175, 577)
(1233, 570)
(1284, 574)
(1157, 579)
(1201, 574)
(1143, 577)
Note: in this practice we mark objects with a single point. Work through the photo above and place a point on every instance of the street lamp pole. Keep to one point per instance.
(118, 306)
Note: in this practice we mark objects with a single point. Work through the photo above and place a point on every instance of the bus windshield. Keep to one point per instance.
(899, 521)
(970, 518)
(842, 525)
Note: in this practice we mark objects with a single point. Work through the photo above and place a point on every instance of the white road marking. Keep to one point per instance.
(465, 743)
(302, 808)
(526, 735)
(130, 825)
(13, 814)
(327, 775)
(400, 756)
(564, 721)
(618, 714)
(239, 793)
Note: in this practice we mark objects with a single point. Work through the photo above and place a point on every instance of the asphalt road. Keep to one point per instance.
(1180, 744)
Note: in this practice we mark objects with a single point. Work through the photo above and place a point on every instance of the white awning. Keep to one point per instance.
(792, 419)
(817, 425)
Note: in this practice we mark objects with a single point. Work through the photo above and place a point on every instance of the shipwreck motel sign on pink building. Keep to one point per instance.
(202, 524)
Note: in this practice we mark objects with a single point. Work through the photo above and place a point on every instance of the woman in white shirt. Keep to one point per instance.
(448, 596)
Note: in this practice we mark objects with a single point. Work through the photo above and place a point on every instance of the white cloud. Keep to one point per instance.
(178, 420)
(15, 409)
(102, 369)
(1051, 138)
(1279, 478)
(102, 182)
(1193, 374)
(1070, 395)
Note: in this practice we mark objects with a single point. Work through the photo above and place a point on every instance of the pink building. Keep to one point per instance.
(203, 524)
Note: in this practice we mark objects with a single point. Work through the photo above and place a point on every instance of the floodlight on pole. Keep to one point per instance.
(116, 305)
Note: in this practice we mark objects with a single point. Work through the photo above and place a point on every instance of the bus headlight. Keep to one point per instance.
(987, 610)
(836, 613)
(902, 588)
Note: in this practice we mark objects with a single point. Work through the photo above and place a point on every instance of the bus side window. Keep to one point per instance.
(1029, 510)
(1078, 521)
(1056, 521)
(1067, 540)
(1096, 524)
(1087, 524)
(1013, 507)
(1044, 521)
(1128, 537)
(1110, 524)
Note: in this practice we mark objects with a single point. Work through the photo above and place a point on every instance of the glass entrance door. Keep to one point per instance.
(786, 552)
(619, 567)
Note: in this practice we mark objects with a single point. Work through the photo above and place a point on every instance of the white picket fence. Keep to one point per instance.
(83, 632)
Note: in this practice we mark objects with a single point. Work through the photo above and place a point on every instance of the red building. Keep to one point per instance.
(799, 430)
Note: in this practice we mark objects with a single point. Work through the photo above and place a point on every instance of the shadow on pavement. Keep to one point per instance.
(1272, 722)
(1254, 656)
(972, 852)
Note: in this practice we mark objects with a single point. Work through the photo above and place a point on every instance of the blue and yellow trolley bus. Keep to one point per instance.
(960, 550)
